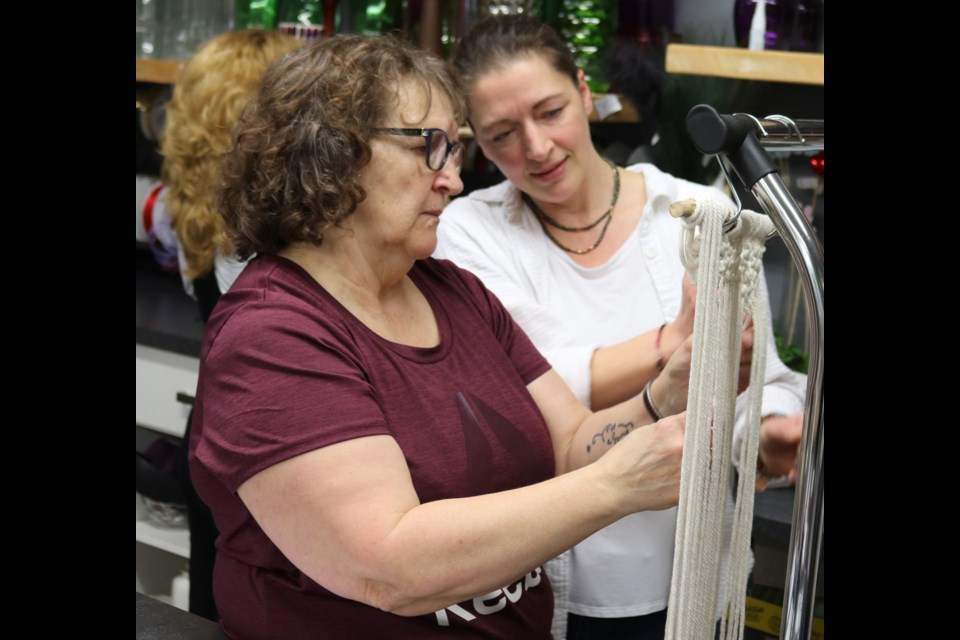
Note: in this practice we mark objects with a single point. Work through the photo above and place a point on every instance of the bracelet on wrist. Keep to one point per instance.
(648, 403)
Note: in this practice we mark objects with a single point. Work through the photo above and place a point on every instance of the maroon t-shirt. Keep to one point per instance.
(285, 369)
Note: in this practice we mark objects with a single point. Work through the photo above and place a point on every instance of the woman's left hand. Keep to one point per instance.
(779, 445)
(671, 387)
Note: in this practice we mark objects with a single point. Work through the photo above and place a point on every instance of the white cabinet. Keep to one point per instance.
(166, 383)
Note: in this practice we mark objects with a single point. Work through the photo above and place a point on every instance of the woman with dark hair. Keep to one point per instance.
(585, 257)
(384, 451)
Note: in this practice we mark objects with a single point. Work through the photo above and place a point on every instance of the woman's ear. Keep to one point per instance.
(584, 92)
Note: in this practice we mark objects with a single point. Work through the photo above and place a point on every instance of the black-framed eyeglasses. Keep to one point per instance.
(438, 147)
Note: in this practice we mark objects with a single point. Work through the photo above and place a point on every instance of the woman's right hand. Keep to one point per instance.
(644, 468)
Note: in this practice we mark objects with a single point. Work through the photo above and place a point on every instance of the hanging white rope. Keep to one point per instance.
(725, 267)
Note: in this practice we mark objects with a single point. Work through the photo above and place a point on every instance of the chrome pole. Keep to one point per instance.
(806, 535)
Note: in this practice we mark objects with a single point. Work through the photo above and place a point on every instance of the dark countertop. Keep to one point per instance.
(167, 318)
(158, 620)
(773, 516)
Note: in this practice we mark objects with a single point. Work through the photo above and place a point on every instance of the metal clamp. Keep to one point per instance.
(784, 120)
(763, 132)
(730, 224)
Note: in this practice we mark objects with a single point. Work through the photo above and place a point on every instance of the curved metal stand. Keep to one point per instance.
(741, 138)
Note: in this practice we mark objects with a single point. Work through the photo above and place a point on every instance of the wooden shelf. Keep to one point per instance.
(743, 64)
(158, 71)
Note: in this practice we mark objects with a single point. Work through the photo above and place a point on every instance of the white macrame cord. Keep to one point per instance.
(726, 268)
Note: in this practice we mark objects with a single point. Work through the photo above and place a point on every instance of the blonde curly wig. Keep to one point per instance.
(209, 95)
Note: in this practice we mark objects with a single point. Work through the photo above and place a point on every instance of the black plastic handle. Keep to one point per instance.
(733, 136)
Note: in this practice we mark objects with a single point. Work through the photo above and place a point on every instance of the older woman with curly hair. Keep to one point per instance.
(209, 95)
(385, 453)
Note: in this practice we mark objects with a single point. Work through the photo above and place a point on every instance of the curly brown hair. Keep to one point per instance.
(292, 171)
(209, 95)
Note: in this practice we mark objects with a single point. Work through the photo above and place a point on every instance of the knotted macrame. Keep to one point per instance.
(725, 266)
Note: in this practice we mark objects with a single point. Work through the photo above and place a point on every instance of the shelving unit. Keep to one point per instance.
(166, 377)
(744, 64)
(171, 540)
(164, 380)
(724, 62)
(165, 72)
(158, 71)
(162, 554)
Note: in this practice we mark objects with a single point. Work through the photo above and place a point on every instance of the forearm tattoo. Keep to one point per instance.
(611, 434)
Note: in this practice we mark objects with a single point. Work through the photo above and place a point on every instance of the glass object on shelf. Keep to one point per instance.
(180, 591)
(776, 35)
(255, 14)
(549, 12)
(146, 28)
(302, 19)
(166, 514)
(175, 29)
(794, 25)
(369, 17)
(587, 26)
(465, 14)
(395, 18)
(647, 21)
(807, 33)
(204, 20)
(500, 7)
(431, 26)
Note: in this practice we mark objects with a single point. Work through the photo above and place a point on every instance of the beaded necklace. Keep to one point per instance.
(606, 218)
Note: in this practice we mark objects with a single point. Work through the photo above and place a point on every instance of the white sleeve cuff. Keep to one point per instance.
(780, 401)
(776, 401)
